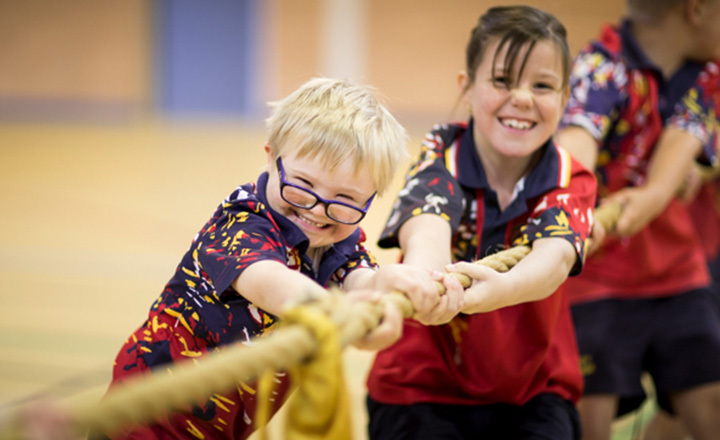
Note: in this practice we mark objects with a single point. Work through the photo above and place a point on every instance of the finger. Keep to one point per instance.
(455, 293)
(387, 332)
(423, 294)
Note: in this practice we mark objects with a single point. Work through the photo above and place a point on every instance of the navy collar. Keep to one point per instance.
(633, 55)
(670, 90)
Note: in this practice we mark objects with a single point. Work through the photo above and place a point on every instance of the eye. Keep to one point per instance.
(501, 81)
(300, 181)
(544, 87)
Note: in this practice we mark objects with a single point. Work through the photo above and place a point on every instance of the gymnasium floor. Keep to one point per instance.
(94, 220)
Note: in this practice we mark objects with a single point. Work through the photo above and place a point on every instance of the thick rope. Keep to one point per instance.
(708, 173)
(144, 398)
(320, 406)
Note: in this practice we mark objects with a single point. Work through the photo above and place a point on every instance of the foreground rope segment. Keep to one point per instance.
(607, 215)
(148, 397)
(320, 406)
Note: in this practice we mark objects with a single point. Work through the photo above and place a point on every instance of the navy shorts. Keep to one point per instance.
(545, 417)
(714, 269)
(675, 339)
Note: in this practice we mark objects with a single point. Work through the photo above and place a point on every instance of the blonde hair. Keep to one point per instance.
(333, 121)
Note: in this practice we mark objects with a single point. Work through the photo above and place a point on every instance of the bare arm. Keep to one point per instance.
(535, 277)
(671, 162)
(271, 286)
(580, 144)
(425, 242)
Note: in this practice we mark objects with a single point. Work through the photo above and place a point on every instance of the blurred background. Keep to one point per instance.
(123, 123)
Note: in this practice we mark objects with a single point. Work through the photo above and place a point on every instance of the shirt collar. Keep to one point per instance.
(670, 89)
(632, 53)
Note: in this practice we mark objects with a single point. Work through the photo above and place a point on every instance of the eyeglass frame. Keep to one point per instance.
(318, 199)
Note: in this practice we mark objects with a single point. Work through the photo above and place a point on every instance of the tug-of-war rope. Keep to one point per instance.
(308, 345)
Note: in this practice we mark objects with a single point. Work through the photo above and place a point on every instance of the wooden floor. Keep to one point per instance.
(93, 221)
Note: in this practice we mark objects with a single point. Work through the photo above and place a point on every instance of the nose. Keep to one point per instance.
(521, 96)
(319, 210)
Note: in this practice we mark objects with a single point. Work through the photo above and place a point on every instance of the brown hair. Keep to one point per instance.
(516, 27)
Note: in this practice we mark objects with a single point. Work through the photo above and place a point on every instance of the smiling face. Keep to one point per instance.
(341, 185)
(514, 116)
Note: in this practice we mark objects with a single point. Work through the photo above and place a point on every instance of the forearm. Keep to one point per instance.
(271, 286)
(670, 164)
(669, 167)
(543, 270)
(534, 278)
(359, 279)
(425, 242)
(580, 144)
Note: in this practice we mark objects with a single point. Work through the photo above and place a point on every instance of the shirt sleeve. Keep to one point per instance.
(598, 86)
(359, 258)
(429, 189)
(697, 112)
(565, 213)
(237, 236)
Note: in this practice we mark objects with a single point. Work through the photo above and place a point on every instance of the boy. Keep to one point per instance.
(277, 241)
(642, 302)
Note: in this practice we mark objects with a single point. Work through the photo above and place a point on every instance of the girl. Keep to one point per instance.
(506, 365)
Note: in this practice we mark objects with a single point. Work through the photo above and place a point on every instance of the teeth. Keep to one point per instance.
(514, 123)
(310, 222)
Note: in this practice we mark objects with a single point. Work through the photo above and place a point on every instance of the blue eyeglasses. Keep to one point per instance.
(303, 198)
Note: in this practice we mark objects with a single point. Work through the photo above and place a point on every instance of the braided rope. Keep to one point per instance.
(149, 396)
(708, 173)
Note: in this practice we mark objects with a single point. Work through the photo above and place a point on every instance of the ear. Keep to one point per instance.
(463, 80)
(694, 10)
(270, 157)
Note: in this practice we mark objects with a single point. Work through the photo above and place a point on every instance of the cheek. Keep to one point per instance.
(552, 109)
(273, 197)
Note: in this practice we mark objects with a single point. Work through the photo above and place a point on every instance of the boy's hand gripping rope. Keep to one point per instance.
(292, 347)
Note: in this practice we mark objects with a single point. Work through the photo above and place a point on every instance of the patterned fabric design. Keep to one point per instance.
(699, 110)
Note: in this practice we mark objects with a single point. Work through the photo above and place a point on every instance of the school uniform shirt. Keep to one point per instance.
(697, 113)
(199, 310)
(512, 354)
(705, 213)
(622, 99)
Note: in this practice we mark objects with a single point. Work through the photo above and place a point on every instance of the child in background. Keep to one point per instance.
(642, 302)
(503, 362)
(332, 148)
(696, 125)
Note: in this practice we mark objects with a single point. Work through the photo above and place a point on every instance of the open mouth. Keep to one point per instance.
(309, 222)
(517, 124)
